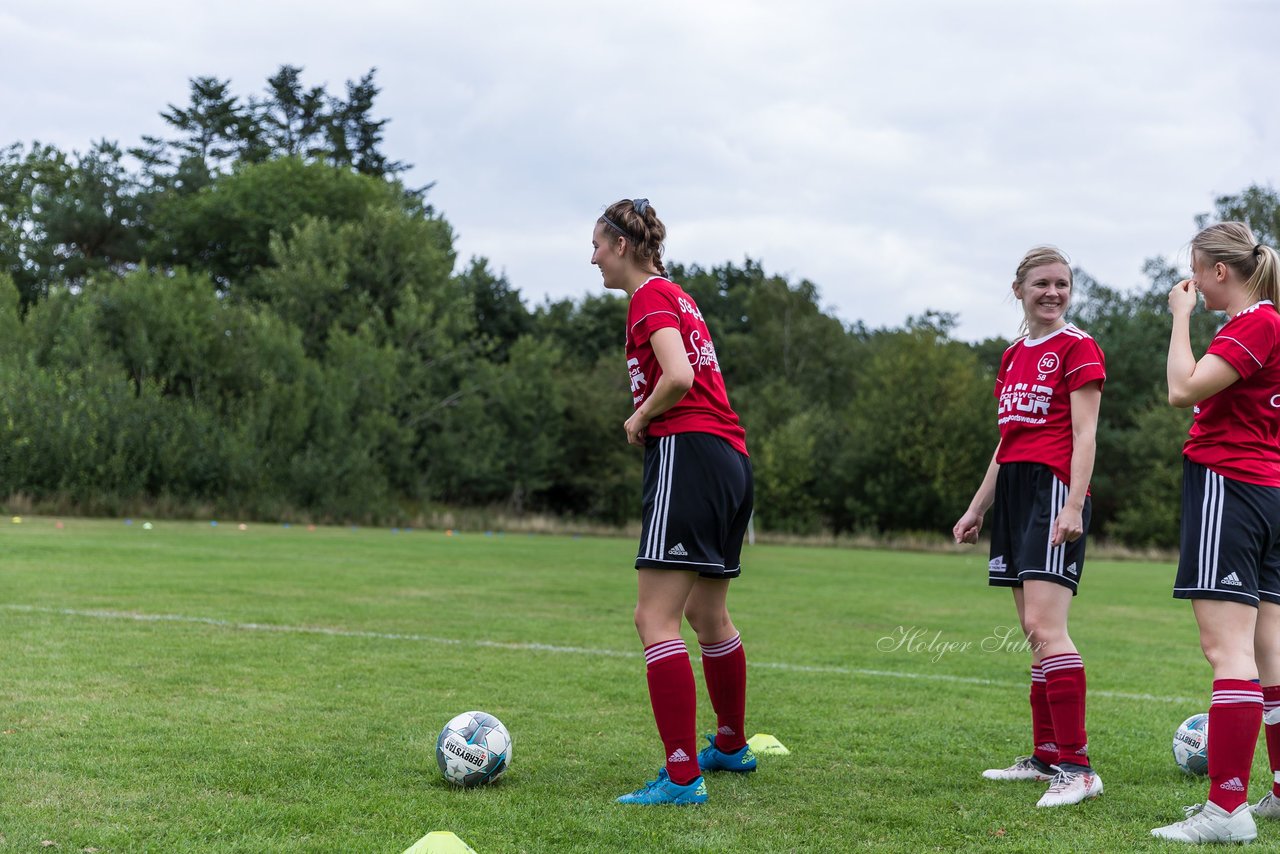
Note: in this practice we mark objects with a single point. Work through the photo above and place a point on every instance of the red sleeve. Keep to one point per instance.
(651, 309)
(1001, 371)
(1247, 344)
(1085, 364)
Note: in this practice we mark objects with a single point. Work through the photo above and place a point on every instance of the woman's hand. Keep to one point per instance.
(1068, 527)
(1183, 297)
(968, 528)
(636, 426)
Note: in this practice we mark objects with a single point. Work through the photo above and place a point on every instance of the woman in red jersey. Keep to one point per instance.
(1230, 552)
(1049, 388)
(697, 502)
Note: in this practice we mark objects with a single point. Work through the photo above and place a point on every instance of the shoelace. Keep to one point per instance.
(1062, 780)
(1192, 810)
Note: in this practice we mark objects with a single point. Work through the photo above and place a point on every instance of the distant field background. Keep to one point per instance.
(202, 689)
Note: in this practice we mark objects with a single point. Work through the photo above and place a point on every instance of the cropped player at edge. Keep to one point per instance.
(1229, 566)
(697, 502)
(1049, 390)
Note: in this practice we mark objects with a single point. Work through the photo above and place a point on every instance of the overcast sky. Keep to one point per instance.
(902, 156)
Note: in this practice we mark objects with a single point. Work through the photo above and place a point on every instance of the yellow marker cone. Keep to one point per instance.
(763, 744)
(440, 842)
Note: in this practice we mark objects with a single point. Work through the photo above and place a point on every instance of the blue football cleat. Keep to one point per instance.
(663, 791)
(712, 758)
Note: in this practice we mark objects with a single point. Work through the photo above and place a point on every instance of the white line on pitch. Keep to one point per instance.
(543, 647)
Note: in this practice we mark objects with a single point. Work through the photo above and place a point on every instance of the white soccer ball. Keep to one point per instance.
(474, 748)
(1191, 745)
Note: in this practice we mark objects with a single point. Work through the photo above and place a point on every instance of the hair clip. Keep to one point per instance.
(640, 205)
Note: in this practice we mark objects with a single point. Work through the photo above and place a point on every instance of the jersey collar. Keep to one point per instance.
(1033, 342)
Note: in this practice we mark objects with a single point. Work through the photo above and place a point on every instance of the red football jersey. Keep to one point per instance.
(1034, 388)
(1236, 433)
(660, 303)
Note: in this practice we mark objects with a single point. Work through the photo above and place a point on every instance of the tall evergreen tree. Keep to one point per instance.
(291, 118)
(355, 137)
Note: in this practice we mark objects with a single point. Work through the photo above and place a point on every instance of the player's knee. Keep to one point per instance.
(1044, 629)
(655, 622)
(1227, 654)
(644, 620)
(704, 622)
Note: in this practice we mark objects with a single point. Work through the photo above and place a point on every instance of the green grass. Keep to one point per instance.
(174, 735)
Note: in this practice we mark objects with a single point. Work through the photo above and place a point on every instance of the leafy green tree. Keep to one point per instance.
(226, 227)
(586, 329)
(598, 474)
(330, 274)
(1257, 206)
(92, 220)
(1150, 513)
(780, 352)
(920, 433)
(512, 446)
(789, 470)
(13, 334)
(28, 179)
(501, 316)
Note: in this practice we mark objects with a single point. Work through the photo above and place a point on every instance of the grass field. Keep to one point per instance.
(199, 689)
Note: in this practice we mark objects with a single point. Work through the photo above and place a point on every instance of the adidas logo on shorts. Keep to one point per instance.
(1234, 581)
(681, 756)
(678, 550)
(1071, 570)
(996, 564)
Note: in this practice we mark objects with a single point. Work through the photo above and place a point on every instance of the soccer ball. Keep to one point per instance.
(473, 748)
(1191, 745)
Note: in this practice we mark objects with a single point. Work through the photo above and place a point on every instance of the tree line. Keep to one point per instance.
(256, 316)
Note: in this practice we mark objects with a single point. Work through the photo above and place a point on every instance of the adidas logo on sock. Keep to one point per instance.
(1050, 746)
(678, 756)
(1071, 570)
(1232, 579)
(725, 730)
(1233, 785)
(678, 551)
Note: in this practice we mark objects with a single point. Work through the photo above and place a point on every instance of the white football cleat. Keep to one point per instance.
(1023, 768)
(1268, 807)
(1211, 823)
(1071, 787)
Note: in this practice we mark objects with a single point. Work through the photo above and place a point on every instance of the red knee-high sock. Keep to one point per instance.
(724, 665)
(1046, 748)
(1235, 714)
(674, 699)
(1270, 703)
(1065, 687)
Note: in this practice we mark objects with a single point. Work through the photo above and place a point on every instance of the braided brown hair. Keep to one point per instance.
(636, 220)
